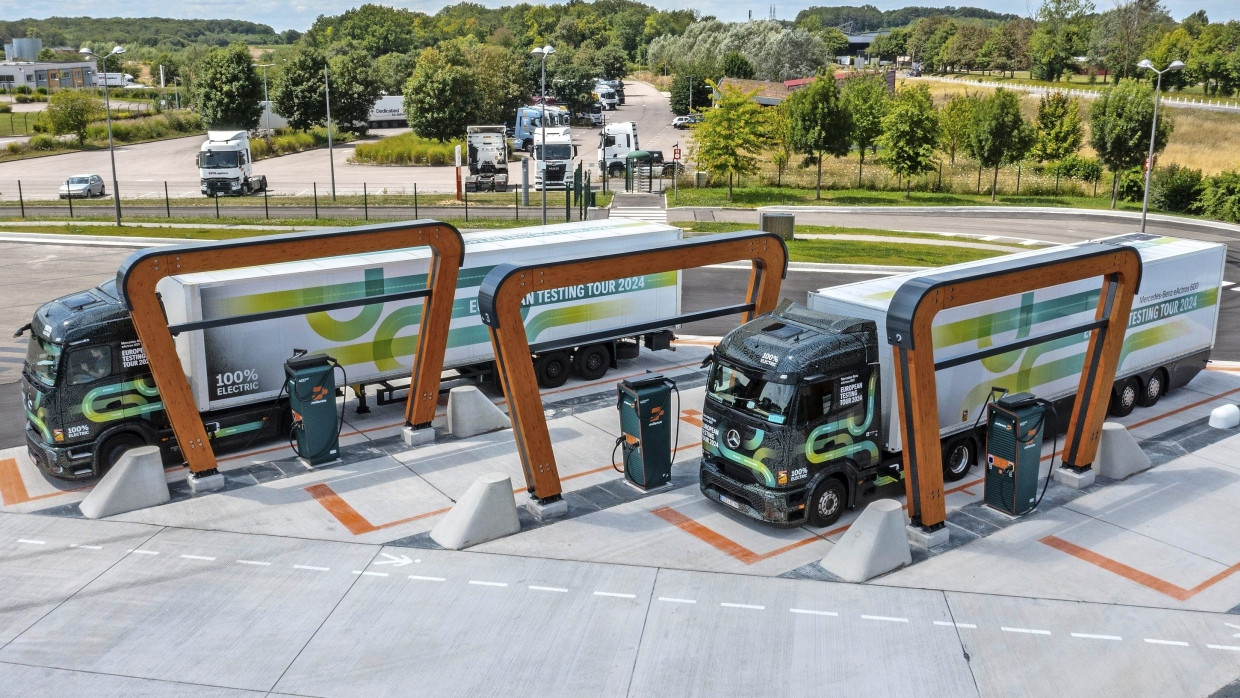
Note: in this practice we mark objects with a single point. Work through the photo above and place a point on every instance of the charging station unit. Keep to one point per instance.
(311, 384)
(1014, 426)
(646, 429)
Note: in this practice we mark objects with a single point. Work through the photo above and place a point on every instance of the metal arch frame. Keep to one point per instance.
(142, 271)
(919, 300)
(505, 286)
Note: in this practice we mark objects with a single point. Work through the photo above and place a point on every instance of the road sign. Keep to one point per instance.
(676, 153)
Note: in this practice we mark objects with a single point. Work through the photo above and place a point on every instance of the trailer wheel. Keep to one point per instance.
(959, 456)
(552, 369)
(1154, 389)
(592, 362)
(1124, 397)
(111, 451)
(827, 503)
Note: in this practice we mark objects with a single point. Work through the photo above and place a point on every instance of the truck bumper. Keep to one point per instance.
(779, 507)
(58, 461)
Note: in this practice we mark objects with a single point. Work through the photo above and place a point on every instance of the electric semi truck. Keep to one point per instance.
(800, 418)
(89, 396)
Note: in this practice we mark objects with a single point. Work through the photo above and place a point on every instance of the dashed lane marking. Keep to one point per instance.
(86, 547)
(421, 578)
(27, 541)
(199, 557)
(312, 568)
(370, 574)
(748, 606)
(968, 626)
(138, 551)
(1091, 636)
(809, 612)
(672, 599)
(1027, 631)
(1173, 643)
(1231, 648)
(488, 584)
(560, 590)
(615, 595)
(258, 563)
(888, 619)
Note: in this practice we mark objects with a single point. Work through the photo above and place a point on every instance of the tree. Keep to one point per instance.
(779, 135)
(889, 46)
(1059, 131)
(228, 89)
(1173, 46)
(731, 136)
(1061, 35)
(354, 88)
(866, 101)
(393, 69)
(955, 119)
(299, 91)
(440, 98)
(821, 124)
(503, 82)
(1120, 36)
(910, 130)
(1000, 135)
(697, 82)
(736, 66)
(613, 62)
(70, 111)
(1008, 46)
(1119, 128)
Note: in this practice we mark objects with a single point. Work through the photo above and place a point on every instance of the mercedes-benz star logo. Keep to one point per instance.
(733, 438)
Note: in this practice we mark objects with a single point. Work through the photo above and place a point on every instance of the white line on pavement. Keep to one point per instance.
(312, 568)
(427, 579)
(198, 557)
(371, 574)
(672, 599)
(615, 595)
(1088, 636)
(86, 547)
(144, 552)
(561, 590)
(253, 562)
(808, 612)
(488, 584)
(1233, 648)
(889, 619)
(31, 542)
(955, 625)
(1029, 631)
(1173, 643)
(749, 606)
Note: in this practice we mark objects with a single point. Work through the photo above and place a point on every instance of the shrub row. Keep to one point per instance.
(406, 149)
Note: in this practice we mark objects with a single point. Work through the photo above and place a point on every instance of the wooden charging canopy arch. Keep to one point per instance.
(919, 300)
(142, 271)
(504, 287)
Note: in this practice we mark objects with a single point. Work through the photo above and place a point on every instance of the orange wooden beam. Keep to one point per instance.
(500, 305)
(142, 271)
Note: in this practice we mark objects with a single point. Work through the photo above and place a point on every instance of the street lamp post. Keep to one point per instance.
(327, 97)
(1149, 163)
(266, 102)
(107, 107)
(543, 53)
(176, 92)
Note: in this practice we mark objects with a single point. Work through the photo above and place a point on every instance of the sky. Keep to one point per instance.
(300, 14)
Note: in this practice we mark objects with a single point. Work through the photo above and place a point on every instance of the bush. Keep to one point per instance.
(21, 90)
(23, 98)
(14, 148)
(5, 109)
(43, 142)
(1131, 184)
(1175, 188)
(1076, 166)
(40, 90)
(1221, 198)
(406, 149)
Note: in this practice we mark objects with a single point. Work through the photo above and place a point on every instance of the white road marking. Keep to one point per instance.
(615, 595)
(1225, 284)
(808, 612)
(889, 619)
(371, 574)
(1029, 242)
(86, 547)
(560, 590)
(988, 238)
(672, 599)
(253, 562)
(488, 584)
(1173, 643)
(1088, 636)
(1233, 648)
(1028, 631)
(749, 606)
(956, 625)
(31, 542)
(312, 568)
(427, 579)
(198, 557)
(144, 552)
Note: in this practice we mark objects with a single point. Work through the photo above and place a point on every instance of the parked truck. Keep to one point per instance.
(388, 112)
(226, 166)
(530, 121)
(800, 418)
(89, 395)
(113, 79)
(616, 141)
(553, 158)
(487, 154)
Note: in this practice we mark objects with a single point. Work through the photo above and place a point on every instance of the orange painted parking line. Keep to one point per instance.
(13, 487)
(349, 517)
(964, 487)
(1178, 410)
(691, 417)
(1133, 574)
(731, 547)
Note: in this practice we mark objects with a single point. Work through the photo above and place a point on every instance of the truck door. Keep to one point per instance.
(839, 418)
(90, 375)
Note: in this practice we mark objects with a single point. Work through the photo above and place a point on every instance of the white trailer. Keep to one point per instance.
(487, 155)
(388, 112)
(243, 364)
(1170, 333)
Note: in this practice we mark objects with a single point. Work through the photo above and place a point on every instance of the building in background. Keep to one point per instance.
(34, 74)
(23, 50)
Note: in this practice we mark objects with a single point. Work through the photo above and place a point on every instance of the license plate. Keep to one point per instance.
(730, 502)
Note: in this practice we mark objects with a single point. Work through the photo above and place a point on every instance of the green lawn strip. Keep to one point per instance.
(555, 201)
(882, 253)
(754, 197)
(209, 232)
(728, 227)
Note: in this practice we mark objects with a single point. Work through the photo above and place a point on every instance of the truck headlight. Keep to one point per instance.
(235, 184)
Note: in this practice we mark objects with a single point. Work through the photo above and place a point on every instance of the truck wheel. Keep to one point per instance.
(592, 362)
(112, 450)
(958, 458)
(552, 369)
(827, 503)
(1154, 389)
(1124, 397)
(615, 170)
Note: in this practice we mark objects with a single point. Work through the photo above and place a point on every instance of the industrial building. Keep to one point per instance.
(34, 74)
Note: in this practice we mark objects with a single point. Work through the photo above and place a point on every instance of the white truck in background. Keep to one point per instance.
(388, 112)
(113, 79)
(226, 166)
(487, 156)
(616, 141)
(553, 159)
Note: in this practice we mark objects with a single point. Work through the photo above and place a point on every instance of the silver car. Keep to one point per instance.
(82, 186)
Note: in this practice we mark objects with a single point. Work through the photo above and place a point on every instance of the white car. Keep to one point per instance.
(82, 186)
(683, 122)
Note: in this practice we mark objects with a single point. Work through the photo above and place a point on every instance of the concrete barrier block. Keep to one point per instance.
(471, 413)
(1225, 417)
(135, 482)
(486, 512)
(1118, 453)
(875, 544)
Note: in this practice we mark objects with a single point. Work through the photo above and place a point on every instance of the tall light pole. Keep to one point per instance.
(266, 102)
(176, 92)
(690, 94)
(327, 97)
(107, 107)
(543, 53)
(1149, 163)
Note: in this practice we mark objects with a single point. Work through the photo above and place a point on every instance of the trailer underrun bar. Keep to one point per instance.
(919, 300)
(499, 303)
(142, 271)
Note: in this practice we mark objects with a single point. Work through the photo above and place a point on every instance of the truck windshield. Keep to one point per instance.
(555, 151)
(43, 358)
(217, 158)
(750, 393)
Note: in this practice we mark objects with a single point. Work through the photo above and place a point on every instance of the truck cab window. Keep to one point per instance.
(817, 399)
(43, 359)
(750, 393)
(89, 364)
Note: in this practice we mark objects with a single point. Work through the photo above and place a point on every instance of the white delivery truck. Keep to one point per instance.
(553, 158)
(487, 155)
(800, 417)
(616, 141)
(226, 166)
(388, 112)
(88, 390)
